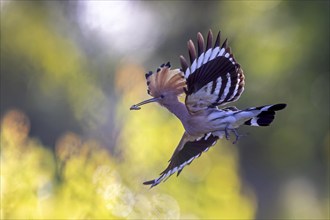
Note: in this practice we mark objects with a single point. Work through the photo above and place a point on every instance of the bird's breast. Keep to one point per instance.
(215, 120)
(198, 125)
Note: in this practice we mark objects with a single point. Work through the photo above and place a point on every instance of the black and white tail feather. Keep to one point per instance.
(266, 115)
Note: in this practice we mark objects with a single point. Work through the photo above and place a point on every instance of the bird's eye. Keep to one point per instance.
(162, 96)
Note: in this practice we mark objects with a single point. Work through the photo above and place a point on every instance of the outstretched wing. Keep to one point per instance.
(184, 154)
(213, 77)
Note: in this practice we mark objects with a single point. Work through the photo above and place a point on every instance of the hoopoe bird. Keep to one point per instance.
(213, 78)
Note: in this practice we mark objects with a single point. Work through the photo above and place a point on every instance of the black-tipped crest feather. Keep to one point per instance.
(217, 41)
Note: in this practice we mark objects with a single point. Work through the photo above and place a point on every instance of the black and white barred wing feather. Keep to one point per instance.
(184, 154)
(213, 76)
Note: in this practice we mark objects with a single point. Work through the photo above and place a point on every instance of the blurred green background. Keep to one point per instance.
(70, 147)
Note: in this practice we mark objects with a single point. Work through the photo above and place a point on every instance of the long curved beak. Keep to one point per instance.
(136, 107)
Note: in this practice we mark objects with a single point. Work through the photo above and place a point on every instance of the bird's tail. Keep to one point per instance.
(265, 114)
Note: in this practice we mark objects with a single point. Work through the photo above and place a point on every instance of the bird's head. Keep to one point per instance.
(164, 85)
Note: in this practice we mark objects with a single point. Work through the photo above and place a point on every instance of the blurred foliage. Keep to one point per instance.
(70, 147)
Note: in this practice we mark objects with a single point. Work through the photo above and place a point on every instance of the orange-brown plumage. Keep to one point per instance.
(166, 81)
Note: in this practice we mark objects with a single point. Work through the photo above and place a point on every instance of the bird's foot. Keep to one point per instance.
(227, 133)
(237, 135)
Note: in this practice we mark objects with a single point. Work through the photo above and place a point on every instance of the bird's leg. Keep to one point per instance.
(227, 133)
(237, 135)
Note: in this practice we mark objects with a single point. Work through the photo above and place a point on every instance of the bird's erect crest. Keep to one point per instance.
(165, 81)
(213, 76)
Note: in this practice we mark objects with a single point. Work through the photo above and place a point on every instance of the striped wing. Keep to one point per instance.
(213, 77)
(185, 153)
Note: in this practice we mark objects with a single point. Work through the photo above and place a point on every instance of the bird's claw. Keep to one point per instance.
(227, 134)
(237, 135)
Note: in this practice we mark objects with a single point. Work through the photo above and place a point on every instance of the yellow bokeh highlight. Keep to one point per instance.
(79, 176)
(59, 60)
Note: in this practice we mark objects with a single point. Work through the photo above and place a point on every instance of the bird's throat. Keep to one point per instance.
(179, 110)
